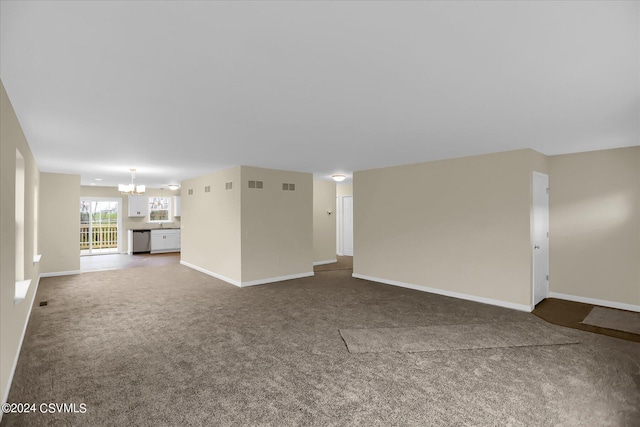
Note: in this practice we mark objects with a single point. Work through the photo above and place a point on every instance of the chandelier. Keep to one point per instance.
(131, 188)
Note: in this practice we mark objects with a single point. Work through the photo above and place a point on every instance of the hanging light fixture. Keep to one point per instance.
(338, 178)
(131, 188)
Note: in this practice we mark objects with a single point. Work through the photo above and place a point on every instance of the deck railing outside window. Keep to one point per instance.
(102, 236)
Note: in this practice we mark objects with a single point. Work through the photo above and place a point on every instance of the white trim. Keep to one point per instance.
(277, 279)
(5, 394)
(338, 225)
(483, 300)
(249, 283)
(342, 251)
(60, 273)
(37, 258)
(211, 273)
(595, 301)
(22, 287)
(329, 261)
(532, 237)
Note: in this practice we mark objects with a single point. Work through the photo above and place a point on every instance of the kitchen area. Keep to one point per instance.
(161, 238)
(148, 228)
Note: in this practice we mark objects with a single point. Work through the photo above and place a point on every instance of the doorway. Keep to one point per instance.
(540, 237)
(100, 225)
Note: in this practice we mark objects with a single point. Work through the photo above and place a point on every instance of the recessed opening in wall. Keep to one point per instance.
(19, 248)
(36, 196)
(22, 285)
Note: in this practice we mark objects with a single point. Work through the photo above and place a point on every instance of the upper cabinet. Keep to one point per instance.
(177, 208)
(138, 206)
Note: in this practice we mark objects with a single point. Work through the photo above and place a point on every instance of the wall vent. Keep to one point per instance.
(256, 184)
(288, 187)
(207, 189)
(190, 192)
(228, 185)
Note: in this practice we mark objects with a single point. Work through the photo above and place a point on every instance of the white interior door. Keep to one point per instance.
(540, 237)
(347, 225)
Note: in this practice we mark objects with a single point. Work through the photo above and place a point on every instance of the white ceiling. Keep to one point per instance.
(180, 89)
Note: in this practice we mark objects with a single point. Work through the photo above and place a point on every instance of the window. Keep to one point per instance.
(159, 208)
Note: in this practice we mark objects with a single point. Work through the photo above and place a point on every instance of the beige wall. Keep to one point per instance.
(14, 316)
(59, 223)
(344, 189)
(277, 225)
(324, 224)
(133, 222)
(460, 227)
(248, 236)
(210, 234)
(595, 225)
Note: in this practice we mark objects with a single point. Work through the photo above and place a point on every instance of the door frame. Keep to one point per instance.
(533, 230)
(340, 223)
(119, 222)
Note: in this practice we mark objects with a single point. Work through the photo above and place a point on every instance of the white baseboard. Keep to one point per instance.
(5, 393)
(468, 297)
(60, 273)
(249, 283)
(594, 301)
(211, 273)
(329, 261)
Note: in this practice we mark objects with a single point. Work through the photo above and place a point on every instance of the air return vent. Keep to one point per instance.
(207, 189)
(190, 192)
(255, 184)
(228, 185)
(288, 187)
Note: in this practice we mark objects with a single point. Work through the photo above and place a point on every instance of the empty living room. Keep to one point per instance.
(320, 213)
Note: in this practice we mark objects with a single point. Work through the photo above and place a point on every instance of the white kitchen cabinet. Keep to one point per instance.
(165, 240)
(138, 206)
(177, 207)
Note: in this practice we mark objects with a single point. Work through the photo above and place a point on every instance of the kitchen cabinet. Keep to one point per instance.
(138, 206)
(177, 207)
(165, 240)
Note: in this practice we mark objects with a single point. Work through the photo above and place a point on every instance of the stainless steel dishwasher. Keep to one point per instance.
(141, 241)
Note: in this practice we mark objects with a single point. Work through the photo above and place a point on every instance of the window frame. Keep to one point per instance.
(168, 209)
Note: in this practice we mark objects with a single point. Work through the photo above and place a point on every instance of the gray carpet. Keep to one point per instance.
(452, 337)
(619, 320)
(169, 346)
(342, 263)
